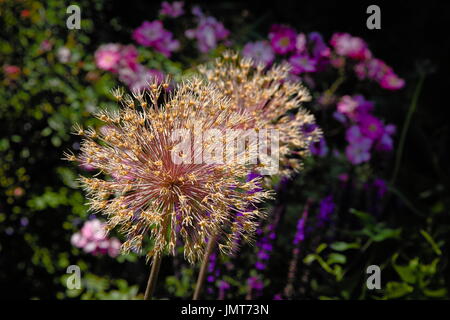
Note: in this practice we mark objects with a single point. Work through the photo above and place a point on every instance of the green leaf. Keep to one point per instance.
(397, 289)
(342, 246)
(430, 240)
(336, 258)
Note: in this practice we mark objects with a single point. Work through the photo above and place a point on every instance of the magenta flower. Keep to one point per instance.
(371, 127)
(391, 81)
(353, 47)
(302, 63)
(259, 51)
(283, 39)
(153, 34)
(174, 10)
(129, 56)
(108, 56)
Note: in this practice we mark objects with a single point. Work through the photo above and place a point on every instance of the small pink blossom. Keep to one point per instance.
(300, 43)
(353, 47)
(92, 239)
(259, 51)
(107, 57)
(391, 81)
(11, 71)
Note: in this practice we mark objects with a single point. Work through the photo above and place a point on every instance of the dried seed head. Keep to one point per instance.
(272, 101)
(146, 194)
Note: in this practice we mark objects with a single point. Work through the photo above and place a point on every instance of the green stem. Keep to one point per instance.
(401, 145)
(204, 267)
(151, 284)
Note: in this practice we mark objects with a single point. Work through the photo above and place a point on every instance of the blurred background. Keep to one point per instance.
(375, 190)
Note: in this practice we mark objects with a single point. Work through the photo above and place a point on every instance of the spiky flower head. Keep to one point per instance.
(271, 98)
(145, 192)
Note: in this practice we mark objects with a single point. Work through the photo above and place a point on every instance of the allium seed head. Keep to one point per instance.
(145, 193)
(270, 98)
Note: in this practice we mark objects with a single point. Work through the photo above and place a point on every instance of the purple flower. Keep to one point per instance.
(259, 51)
(173, 10)
(319, 148)
(358, 151)
(255, 283)
(282, 39)
(386, 143)
(300, 234)
(208, 32)
(326, 208)
(302, 63)
(380, 186)
(319, 48)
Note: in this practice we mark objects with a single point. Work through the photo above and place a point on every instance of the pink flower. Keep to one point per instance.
(167, 45)
(149, 33)
(114, 248)
(11, 71)
(173, 10)
(140, 78)
(46, 45)
(347, 105)
(354, 107)
(208, 32)
(283, 39)
(259, 51)
(379, 71)
(302, 63)
(129, 56)
(391, 81)
(107, 57)
(300, 43)
(92, 239)
(153, 34)
(353, 47)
